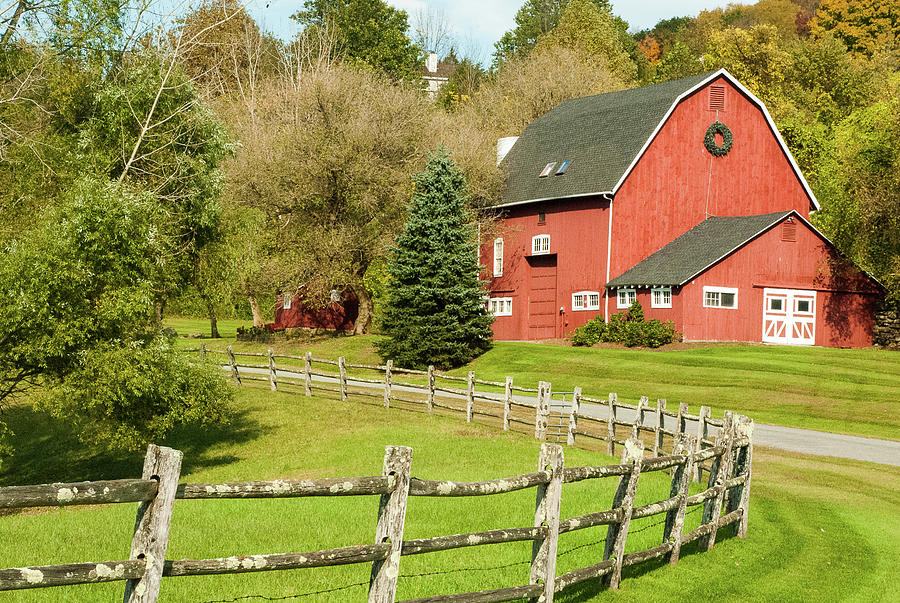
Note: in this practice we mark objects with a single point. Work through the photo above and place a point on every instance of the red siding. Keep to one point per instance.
(845, 296)
(577, 230)
(667, 192)
(333, 317)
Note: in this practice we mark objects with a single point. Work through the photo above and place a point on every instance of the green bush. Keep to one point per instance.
(628, 327)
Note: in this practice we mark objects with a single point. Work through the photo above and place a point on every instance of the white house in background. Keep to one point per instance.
(436, 74)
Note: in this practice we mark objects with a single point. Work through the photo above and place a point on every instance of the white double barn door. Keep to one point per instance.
(789, 316)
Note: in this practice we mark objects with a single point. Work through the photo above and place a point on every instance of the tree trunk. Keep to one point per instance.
(258, 320)
(213, 326)
(366, 311)
(211, 312)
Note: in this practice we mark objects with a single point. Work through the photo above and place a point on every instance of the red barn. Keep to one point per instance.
(682, 195)
(339, 314)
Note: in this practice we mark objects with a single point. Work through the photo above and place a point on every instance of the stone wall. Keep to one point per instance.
(887, 328)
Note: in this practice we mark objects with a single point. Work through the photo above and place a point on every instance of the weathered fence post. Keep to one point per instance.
(470, 395)
(387, 383)
(234, 369)
(507, 403)
(391, 516)
(430, 401)
(151, 528)
(681, 484)
(307, 368)
(739, 497)
(617, 533)
(273, 377)
(681, 421)
(543, 552)
(702, 434)
(342, 370)
(639, 418)
(542, 411)
(573, 417)
(611, 426)
(718, 473)
(203, 352)
(660, 425)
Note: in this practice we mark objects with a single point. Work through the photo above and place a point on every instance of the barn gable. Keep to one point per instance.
(603, 137)
(704, 246)
(696, 250)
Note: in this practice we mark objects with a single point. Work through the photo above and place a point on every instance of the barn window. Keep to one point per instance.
(626, 297)
(717, 98)
(500, 306)
(661, 297)
(498, 257)
(802, 306)
(540, 244)
(789, 231)
(586, 300)
(286, 304)
(562, 168)
(547, 169)
(542, 217)
(720, 297)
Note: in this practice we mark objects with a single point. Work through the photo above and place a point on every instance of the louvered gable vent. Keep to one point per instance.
(717, 98)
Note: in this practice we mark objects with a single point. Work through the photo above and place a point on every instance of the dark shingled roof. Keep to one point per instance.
(601, 134)
(696, 250)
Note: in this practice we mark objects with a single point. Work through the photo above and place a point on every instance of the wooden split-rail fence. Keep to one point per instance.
(725, 503)
(512, 406)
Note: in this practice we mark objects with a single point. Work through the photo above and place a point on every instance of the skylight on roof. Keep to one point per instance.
(547, 169)
(562, 168)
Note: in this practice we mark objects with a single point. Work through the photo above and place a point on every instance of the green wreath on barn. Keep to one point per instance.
(709, 141)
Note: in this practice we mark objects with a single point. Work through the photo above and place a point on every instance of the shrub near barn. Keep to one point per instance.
(627, 327)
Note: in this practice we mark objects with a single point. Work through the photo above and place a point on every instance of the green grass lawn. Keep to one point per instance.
(843, 391)
(820, 529)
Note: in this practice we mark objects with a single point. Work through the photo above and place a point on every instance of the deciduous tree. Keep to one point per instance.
(369, 32)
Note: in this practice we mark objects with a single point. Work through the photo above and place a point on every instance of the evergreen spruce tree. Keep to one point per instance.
(435, 311)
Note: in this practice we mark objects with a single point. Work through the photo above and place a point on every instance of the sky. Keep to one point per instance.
(477, 24)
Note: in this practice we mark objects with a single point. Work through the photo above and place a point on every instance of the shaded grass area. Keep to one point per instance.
(853, 392)
(820, 529)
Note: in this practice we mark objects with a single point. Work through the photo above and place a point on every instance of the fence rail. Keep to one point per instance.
(725, 457)
(508, 406)
(728, 488)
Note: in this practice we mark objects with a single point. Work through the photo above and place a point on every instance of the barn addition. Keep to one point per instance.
(680, 195)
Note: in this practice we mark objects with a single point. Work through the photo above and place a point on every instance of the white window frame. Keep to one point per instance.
(500, 306)
(286, 301)
(538, 246)
(661, 303)
(717, 290)
(498, 256)
(581, 301)
(630, 294)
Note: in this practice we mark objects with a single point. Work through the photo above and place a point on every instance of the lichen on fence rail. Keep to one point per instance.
(343, 486)
(78, 493)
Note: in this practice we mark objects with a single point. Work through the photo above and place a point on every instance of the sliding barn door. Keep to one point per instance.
(542, 310)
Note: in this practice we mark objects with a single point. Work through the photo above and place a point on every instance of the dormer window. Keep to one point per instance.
(547, 169)
(540, 244)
